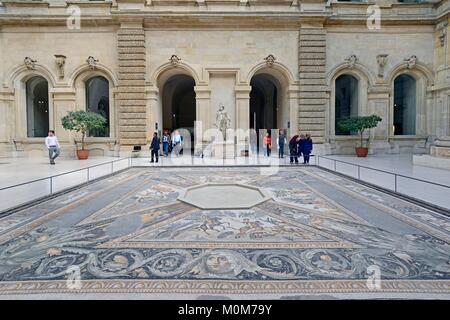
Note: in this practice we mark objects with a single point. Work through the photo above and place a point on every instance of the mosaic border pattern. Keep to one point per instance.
(225, 286)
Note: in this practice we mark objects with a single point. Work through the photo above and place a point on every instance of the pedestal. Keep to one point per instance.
(441, 148)
(439, 155)
(223, 150)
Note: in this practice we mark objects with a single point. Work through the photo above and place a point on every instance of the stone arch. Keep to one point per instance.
(420, 70)
(22, 73)
(277, 70)
(85, 71)
(17, 80)
(78, 80)
(174, 85)
(365, 80)
(167, 70)
(272, 101)
(424, 78)
(359, 71)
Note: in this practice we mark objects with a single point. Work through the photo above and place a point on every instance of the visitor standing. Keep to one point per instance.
(166, 141)
(307, 147)
(281, 143)
(293, 146)
(300, 141)
(52, 144)
(176, 140)
(267, 144)
(154, 147)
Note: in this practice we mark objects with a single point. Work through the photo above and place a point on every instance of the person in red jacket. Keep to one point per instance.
(267, 144)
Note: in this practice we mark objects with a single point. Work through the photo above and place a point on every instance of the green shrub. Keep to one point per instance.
(83, 121)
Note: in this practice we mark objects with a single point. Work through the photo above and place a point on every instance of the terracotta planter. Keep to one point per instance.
(362, 152)
(82, 154)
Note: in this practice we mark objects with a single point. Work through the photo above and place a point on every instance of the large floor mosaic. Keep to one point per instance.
(316, 232)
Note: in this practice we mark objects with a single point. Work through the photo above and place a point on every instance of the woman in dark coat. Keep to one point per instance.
(293, 148)
(306, 148)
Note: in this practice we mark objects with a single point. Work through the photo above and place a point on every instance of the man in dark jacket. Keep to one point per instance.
(154, 147)
(307, 147)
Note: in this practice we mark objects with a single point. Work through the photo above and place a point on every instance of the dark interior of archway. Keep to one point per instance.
(263, 103)
(404, 105)
(179, 109)
(37, 107)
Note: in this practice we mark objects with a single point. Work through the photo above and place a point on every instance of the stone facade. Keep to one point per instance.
(302, 46)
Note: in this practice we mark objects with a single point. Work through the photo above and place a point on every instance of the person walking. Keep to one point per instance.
(293, 148)
(307, 147)
(281, 143)
(165, 141)
(52, 144)
(267, 144)
(154, 147)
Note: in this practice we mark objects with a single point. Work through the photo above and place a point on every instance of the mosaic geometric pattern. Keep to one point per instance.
(318, 233)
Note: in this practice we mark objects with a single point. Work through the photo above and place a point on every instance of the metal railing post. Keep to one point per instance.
(359, 172)
(88, 175)
(335, 165)
(395, 179)
(51, 185)
(112, 166)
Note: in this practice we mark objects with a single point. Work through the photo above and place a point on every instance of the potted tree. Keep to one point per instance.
(83, 121)
(360, 124)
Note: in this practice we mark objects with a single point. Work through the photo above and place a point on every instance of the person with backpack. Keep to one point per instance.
(307, 147)
(154, 147)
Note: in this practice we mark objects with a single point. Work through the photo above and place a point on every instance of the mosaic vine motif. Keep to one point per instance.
(134, 228)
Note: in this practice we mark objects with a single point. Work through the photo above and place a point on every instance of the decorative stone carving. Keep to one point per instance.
(223, 121)
(381, 61)
(351, 61)
(442, 28)
(411, 62)
(270, 60)
(92, 62)
(29, 63)
(60, 61)
(174, 59)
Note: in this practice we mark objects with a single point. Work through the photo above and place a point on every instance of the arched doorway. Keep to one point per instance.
(179, 104)
(404, 105)
(267, 113)
(263, 102)
(346, 100)
(97, 101)
(37, 107)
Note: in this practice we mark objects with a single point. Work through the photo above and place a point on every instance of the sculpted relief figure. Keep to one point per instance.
(381, 60)
(351, 60)
(223, 121)
(60, 61)
(92, 62)
(411, 62)
(29, 63)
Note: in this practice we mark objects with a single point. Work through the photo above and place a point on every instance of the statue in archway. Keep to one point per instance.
(223, 121)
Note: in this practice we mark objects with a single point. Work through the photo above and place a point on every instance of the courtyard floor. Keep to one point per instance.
(308, 232)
